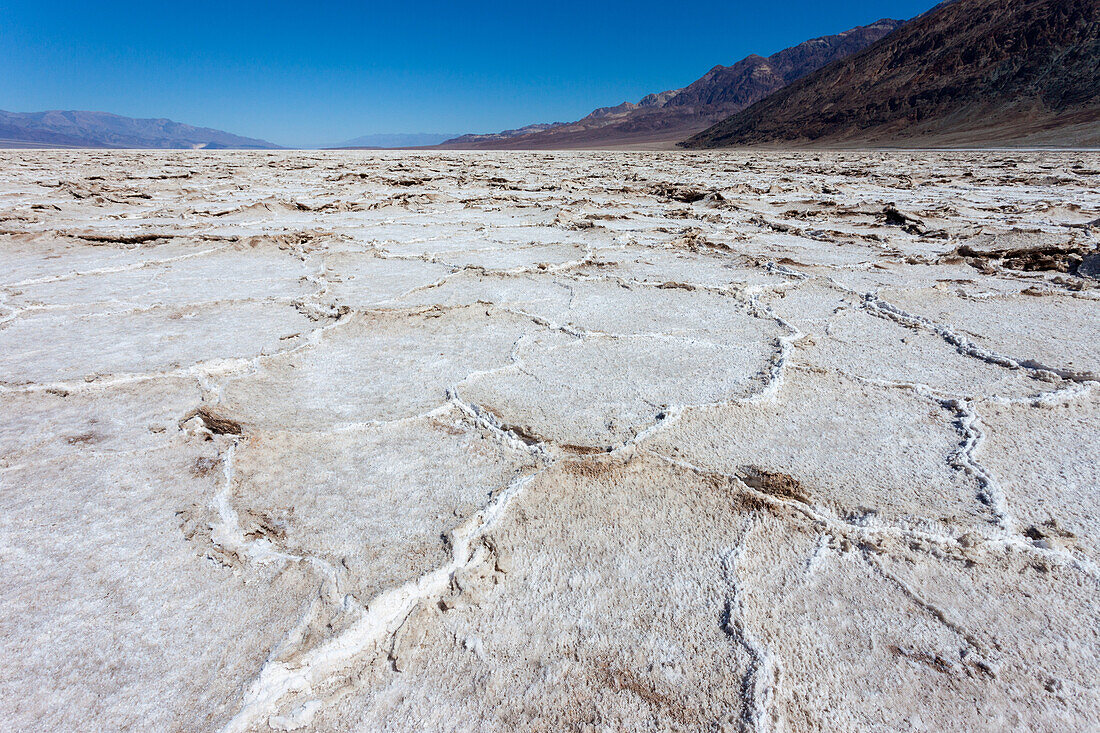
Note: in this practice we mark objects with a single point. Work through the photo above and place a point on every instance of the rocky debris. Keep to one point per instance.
(908, 222)
(1039, 253)
(774, 484)
(1089, 266)
(123, 238)
(693, 239)
(1066, 258)
(218, 424)
(405, 201)
(677, 192)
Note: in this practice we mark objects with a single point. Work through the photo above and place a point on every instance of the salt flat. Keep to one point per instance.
(546, 441)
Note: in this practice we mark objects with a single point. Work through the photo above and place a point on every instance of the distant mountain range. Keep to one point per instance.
(75, 129)
(970, 72)
(966, 73)
(672, 115)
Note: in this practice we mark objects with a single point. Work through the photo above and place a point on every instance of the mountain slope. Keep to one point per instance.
(972, 72)
(672, 115)
(102, 130)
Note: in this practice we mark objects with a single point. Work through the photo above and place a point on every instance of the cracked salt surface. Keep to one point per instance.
(332, 441)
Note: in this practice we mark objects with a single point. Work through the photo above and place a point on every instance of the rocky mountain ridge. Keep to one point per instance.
(674, 114)
(972, 72)
(80, 129)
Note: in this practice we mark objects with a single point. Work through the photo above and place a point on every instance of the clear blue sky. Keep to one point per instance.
(301, 73)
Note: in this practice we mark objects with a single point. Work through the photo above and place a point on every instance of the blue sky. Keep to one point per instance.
(298, 73)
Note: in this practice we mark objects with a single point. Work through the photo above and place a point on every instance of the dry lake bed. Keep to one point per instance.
(549, 441)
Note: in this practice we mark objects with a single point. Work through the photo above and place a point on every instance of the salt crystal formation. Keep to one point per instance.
(592, 441)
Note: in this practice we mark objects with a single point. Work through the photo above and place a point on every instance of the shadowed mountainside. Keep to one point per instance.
(972, 72)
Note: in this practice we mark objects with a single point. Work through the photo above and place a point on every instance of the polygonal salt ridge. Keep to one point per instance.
(376, 502)
(874, 454)
(542, 296)
(676, 268)
(577, 591)
(1019, 331)
(903, 275)
(120, 530)
(33, 258)
(742, 556)
(940, 613)
(805, 302)
(57, 347)
(361, 280)
(857, 344)
(320, 666)
(122, 420)
(421, 625)
(753, 488)
(201, 275)
(453, 241)
(602, 391)
(517, 258)
(795, 250)
(888, 651)
(1046, 544)
(378, 366)
(605, 305)
(1042, 455)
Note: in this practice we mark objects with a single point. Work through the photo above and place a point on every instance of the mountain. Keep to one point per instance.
(74, 129)
(967, 73)
(396, 140)
(674, 114)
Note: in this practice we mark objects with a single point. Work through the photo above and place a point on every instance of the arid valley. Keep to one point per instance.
(550, 441)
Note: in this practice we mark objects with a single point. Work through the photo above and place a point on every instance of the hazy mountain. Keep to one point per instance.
(75, 129)
(397, 140)
(674, 114)
(972, 72)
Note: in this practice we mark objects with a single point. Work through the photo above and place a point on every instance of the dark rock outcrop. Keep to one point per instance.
(970, 72)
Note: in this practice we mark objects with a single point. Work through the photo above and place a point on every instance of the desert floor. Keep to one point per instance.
(549, 441)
